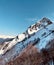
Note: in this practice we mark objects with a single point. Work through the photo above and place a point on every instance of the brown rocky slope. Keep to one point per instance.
(32, 56)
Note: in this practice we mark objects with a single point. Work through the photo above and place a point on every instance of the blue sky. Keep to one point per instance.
(17, 15)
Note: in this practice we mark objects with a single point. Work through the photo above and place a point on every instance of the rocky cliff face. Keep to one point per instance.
(35, 46)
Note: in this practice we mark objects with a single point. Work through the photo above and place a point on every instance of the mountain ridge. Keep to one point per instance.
(37, 35)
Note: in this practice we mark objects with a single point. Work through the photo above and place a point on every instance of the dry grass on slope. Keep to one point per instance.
(31, 56)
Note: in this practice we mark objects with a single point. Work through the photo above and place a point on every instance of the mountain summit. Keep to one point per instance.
(35, 40)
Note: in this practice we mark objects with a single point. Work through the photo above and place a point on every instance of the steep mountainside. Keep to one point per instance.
(32, 47)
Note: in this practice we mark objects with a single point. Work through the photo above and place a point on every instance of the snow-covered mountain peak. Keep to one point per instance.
(45, 19)
(33, 29)
(38, 34)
